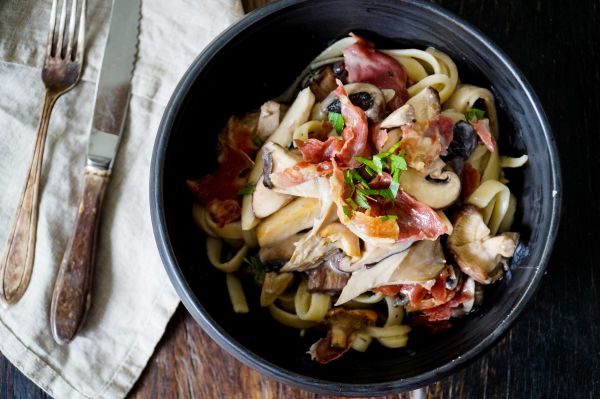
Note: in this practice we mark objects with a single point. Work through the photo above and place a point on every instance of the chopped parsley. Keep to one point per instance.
(249, 189)
(388, 217)
(474, 113)
(361, 192)
(346, 211)
(257, 267)
(337, 120)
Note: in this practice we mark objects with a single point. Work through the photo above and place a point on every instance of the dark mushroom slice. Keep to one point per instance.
(339, 71)
(478, 254)
(327, 278)
(267, 158)
(464, 141)
(364, 95)
(321, 82)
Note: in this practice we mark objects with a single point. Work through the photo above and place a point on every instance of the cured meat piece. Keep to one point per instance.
(367, 65)
(482, 128)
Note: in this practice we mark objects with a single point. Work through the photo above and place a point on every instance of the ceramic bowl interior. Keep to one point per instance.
(256, 60)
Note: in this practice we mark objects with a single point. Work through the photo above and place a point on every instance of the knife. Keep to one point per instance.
(71, 298)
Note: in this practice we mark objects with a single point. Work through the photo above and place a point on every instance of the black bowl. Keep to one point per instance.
(254, 61)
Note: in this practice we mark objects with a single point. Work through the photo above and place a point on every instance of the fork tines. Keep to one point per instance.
(56, 47)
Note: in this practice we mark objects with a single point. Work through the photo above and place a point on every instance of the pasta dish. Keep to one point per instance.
(366, 200)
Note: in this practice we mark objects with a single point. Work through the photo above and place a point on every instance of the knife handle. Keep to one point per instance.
(72, 296)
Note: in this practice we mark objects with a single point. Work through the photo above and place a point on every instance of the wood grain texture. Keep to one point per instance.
(553, 351)
(72, 296)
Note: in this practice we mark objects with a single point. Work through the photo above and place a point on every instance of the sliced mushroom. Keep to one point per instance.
(419, 108)
(437, 190)
(374, 254)
(402, 116)
(341, 237)
(296, 115)
(393, 136)
(296, 216)
(281, 252)
(364, 95)
(327, 278)
(477, 253)
(426, 103)
(342, 323)
(312, 247)
(274, 285)
(268, 120)
(321, 82)
(464, 140)
(467, 305)
(420, 264)
(265, 202)
(453, 279)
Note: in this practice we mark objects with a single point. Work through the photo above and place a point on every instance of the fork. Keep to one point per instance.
(61, 72)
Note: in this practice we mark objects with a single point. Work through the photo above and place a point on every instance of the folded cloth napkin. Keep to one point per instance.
(132, 297)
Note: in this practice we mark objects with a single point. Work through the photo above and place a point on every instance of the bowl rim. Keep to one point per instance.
(230, 344)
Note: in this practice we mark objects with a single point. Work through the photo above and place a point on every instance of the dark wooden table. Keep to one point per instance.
(554, 349)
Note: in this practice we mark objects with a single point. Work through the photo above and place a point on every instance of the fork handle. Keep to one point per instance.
(72, 295)
(17, 258)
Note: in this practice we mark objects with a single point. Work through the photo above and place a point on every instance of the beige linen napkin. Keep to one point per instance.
(132, 298)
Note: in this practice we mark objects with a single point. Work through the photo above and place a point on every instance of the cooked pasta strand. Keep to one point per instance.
(236, 294)
(214, 247)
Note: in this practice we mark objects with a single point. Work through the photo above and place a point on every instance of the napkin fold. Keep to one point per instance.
(132, 297)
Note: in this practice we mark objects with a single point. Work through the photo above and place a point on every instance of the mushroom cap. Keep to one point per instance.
(477, 254)
(365, 95)
(419, 108)
(438, 191)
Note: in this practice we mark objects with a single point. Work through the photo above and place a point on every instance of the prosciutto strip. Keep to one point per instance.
(482, 128)
(218, 191)
(416, 221)
(354, 142)
(422, 144)
(299, 173)
(365, 64)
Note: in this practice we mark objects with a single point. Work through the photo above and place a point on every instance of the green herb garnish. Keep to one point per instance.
(369, 165)
(397, 162)
(249, 189)
(395, 184)
(361, 200)
(388, 217)
(352, 203)
(474, 113)
(346, 211)
(337, 120)
(257, 267)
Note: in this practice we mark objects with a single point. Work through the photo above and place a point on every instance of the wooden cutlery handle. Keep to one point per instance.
(16, 263)
(72, 295)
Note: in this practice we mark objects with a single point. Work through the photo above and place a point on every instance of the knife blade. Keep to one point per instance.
(114, 84)
(71, 298)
